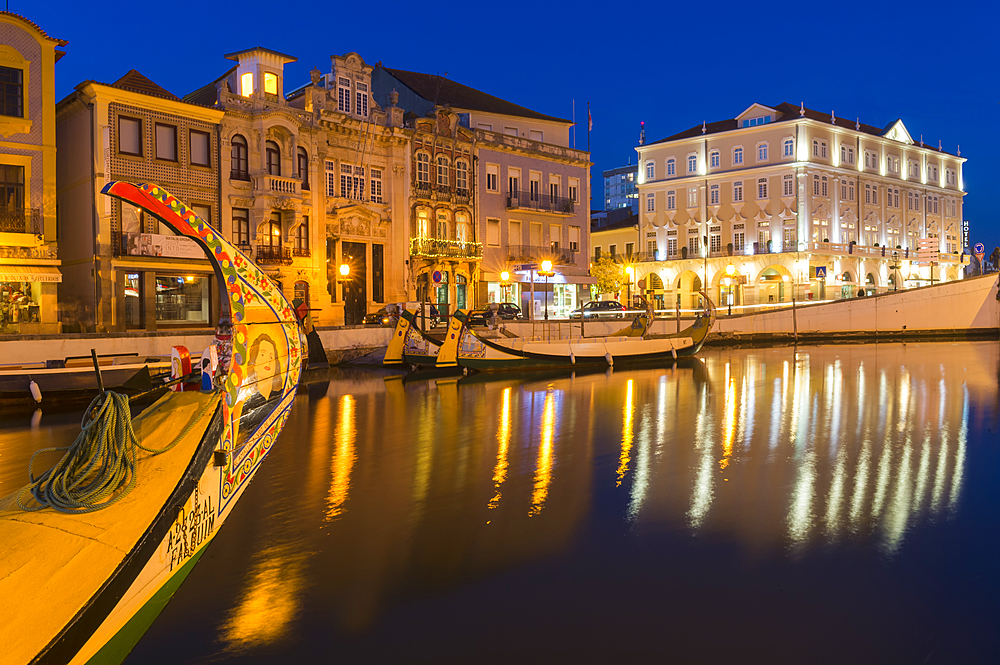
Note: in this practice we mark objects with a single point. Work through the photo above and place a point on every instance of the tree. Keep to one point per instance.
(609, 275)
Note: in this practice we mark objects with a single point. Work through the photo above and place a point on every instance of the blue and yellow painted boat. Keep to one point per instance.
(409, 345)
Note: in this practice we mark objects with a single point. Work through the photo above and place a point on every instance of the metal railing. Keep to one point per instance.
(462, 196)
(531, 253)
(21, 220)
(540, 202)
(239, 175)
(300, 251)
(267, 255)
(422, 189)
(439, 247)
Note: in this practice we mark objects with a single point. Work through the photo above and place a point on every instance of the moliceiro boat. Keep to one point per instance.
(82, 585)
(464, 347)
(409, 345)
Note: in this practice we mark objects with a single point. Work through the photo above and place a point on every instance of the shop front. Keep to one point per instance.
(165, 297)
(28, 300)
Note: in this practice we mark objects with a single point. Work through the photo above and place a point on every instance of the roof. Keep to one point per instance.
(60, 42)
(206, 95)
(134, 81)
(236, 54)
(628, 222)
(441, 90)
(786, 113)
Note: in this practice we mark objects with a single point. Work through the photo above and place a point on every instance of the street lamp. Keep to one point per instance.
(546, 271)
(730, 271)
(629, 271)
(895, 271)
(505, 286)
(345, 269)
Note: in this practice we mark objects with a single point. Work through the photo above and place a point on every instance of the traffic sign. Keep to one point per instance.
(820, 272)
(526, 266)
(437, 276)
(980, 250)
(642, 284)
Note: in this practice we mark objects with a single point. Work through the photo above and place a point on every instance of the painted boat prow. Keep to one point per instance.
(89, 587)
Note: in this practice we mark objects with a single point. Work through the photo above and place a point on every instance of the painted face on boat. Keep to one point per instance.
(265, 368)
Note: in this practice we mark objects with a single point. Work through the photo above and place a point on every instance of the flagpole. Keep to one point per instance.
(588, 126)
(574, 124)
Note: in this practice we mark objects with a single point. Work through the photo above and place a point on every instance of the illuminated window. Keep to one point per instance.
(692, 197)
(246, 84)
(270, 83)
(273, 158)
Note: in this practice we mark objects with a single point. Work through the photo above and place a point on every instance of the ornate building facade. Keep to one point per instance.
(802, 204)
(29, 275)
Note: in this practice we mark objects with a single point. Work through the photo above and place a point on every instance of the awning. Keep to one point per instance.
(30, 274)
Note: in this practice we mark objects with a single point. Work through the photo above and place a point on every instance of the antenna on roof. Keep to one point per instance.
(703, 127)
(642, 132)
(921, 140)
(939, 145)
(440, 80)
(802, 109)
(959, 150)
(857, 123)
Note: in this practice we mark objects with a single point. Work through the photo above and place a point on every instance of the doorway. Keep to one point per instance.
(355, 283)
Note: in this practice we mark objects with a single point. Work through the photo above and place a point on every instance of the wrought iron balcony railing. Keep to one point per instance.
(300, 251)
(267, 255)
(534, 253)
(236, 174)
(434, 247)
(21, 220)
(540, 202)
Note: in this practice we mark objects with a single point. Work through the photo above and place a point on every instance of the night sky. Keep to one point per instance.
(932, 64)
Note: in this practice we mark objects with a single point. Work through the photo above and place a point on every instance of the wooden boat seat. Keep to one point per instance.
(65, 559)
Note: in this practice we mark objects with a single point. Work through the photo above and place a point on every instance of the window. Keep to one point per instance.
(692, 163)
(302, 237)
(203, 211)
(493, 232)
(762, 152)
(692, 197)
(514, 233)
(892, 165)
(892, 197)
(671, 200)
(714, 159)
(824, 191)
(788, 148)
(738, 191)
(240, 166)
(361, 102)
(815, 148)
(822, 149)
(932, 205)
(513, 183)
(246, 84)
(555, 234)
(442, 226)
(553, 192)
(273, 158)
(272, 237)
(352, 182)
(574, 190)
(462, 176)
(613, 250)
(932, 172)
(713, 195)
(787, 186)
(715, 242)
(672, 246)
(875, 195)
(241, 226)
(597, 252)
(649, 203)
(12, 191)
(846, 154)
(739, 241)
(534, 188)
(510, 131)
(270, 84)
(443, 179)
(850, 191)
(950, 177)
(762, 188)
(737, 156)
(536, 135)
(492, 178)
(650, 171)
(871, 159)
(200, 142)
(815, 185)
(166, 142)
(130, 136)
(423, 168)
(331, 178)
(671, 166)
(912, 168)
(693, 249)
(574, 238)
(11, 92)
(651, 248)
(302, 159)
(868, 193)
(790, 239)
(375, 175)
(343, 94)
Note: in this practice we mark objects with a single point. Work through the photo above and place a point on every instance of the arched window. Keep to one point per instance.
(671, 166)
(461, 175)
(273, 153)
(273, 231)
(302, 159)
(442, 171)
(713, 159)
(240, 166)
(423, 167)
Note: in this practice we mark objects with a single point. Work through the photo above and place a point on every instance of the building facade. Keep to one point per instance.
(530, 197)
(124, 269)
(620, 188)
(29, 273)
(802, 204)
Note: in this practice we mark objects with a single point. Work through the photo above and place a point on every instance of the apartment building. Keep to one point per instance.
(530, 198)
(29, 272)
(123, 268)
(802, 204)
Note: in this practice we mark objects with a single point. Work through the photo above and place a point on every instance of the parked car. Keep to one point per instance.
(506, 311)
(380, 317)
(606, 309)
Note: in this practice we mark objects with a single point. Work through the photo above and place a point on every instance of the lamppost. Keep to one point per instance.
(345, 271)
(546, 271)
(629, 272)
(730, 271)
(505, 286)
(895, 271)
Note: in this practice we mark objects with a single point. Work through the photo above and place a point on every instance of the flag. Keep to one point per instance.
(590, 120)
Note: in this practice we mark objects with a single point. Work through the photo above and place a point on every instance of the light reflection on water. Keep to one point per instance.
(418, 488)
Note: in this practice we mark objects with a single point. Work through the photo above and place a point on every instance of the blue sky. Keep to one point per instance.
(933, 64)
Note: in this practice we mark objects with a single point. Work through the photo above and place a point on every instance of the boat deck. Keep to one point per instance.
(65, 559)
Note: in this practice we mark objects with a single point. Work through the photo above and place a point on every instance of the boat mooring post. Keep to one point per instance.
(97, 370)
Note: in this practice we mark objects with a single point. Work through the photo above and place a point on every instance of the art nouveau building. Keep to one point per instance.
(29, 275)
(310, 180)
(803, 204)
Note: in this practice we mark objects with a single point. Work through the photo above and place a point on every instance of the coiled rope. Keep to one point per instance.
(99, 467)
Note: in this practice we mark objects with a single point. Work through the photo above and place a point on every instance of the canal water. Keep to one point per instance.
(825, 504)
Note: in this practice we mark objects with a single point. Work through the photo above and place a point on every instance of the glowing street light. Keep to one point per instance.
(730, 271)
(505, 286)
(545, 269)
(345, 269)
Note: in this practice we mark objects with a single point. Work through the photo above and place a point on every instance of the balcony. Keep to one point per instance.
(538, 202)
(21, 220)
(433, 248)
(277, 184)
(422, 189)
(236, 174)
(463, 196)
(275, 256)
(300, 252)
(305, 185)
(534, 253)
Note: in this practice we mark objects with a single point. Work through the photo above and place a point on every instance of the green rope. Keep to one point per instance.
(99, 468)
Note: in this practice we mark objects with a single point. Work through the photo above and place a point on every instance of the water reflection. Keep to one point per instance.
(343, 458)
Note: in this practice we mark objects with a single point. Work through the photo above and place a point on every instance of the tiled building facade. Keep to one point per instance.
(803, 204)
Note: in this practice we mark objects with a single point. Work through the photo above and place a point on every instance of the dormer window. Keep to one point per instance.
(343, 94)
(753, 122)
(270, 84)
(361, 107)
(246, 84)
